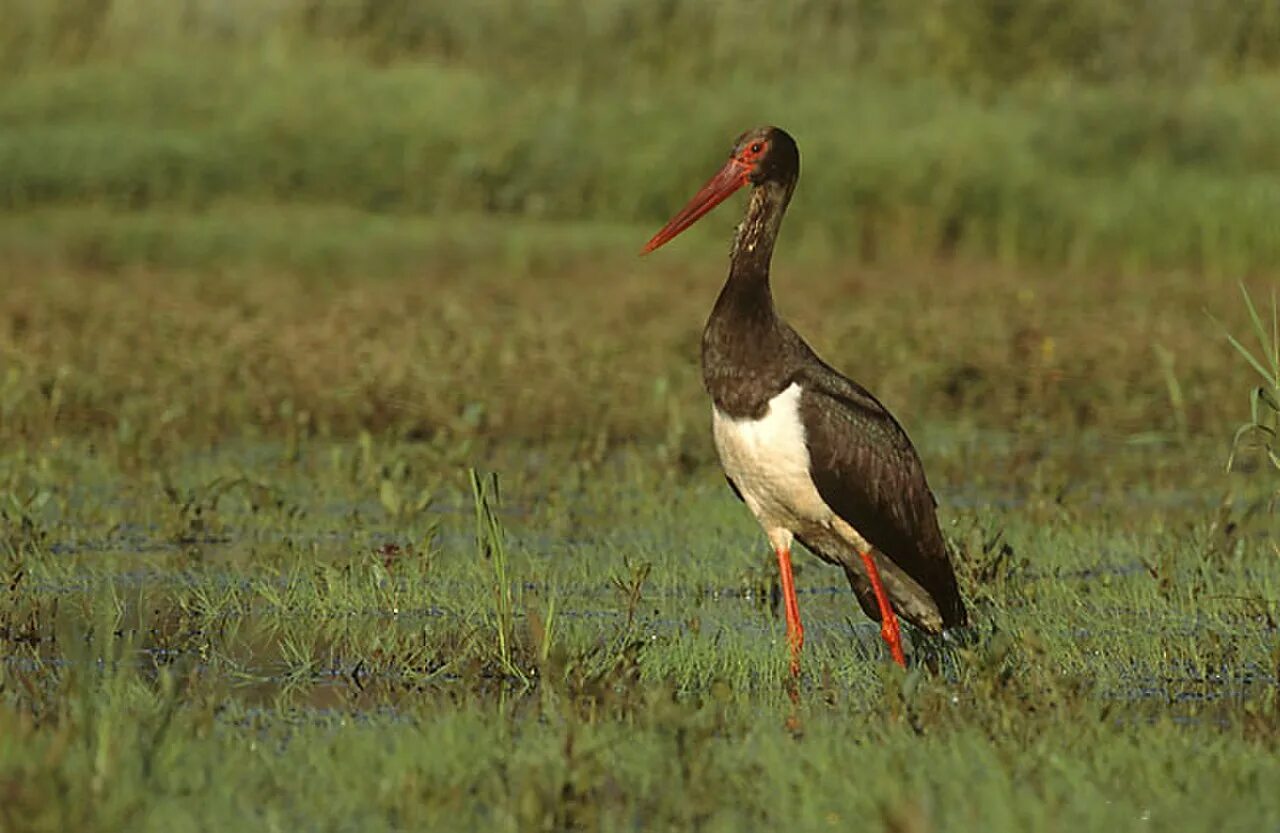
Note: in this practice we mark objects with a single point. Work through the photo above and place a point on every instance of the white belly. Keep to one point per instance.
(768, 460)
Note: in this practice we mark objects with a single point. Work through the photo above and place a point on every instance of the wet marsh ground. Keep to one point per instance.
(336, 619)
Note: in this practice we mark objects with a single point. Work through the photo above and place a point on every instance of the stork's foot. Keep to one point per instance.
(892, 637)
(889, 630)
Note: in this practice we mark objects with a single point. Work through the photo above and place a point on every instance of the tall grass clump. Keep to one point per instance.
(491, 546)
(1263, 425)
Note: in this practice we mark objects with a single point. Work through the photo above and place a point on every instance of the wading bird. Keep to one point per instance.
(813, 454)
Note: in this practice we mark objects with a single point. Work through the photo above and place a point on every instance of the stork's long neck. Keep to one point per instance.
(744, 345)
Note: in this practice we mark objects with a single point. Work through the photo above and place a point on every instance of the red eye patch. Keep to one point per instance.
(752, 152)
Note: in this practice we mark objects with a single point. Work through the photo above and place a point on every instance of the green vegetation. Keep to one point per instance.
(1144, 138)
(267, 636)
(1263, 426)
(354, 472)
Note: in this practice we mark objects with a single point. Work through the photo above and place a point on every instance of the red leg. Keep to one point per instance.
(795, 631)
(888, 619)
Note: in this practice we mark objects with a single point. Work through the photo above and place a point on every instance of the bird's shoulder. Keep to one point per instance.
(846, 419)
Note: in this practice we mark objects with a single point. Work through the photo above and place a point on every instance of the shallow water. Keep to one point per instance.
(1082, 555)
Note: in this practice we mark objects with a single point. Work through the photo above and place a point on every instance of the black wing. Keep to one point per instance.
(866, 469)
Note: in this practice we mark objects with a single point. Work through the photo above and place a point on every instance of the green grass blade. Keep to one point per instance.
(1249, 357)
(1269, 348)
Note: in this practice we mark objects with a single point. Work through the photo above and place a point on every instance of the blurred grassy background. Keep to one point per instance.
(219, 217)
(1052, 130)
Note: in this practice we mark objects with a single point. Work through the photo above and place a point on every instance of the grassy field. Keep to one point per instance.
(355, 473)
(289, 638)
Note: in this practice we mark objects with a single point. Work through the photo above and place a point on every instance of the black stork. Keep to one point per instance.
(813, 454)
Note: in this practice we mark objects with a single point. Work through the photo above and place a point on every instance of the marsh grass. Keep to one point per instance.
(278, 282)
(979, 43)
(597, 352)
(1024, 178)
(1263, 427)
(160, 688)
(947, 129)
(491, 546)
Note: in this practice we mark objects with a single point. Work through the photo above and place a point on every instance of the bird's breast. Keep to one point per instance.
(767, 458)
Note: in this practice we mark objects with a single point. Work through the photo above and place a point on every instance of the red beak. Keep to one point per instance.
(730, 178)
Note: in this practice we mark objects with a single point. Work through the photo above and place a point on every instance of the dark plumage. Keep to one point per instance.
(866, 469)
